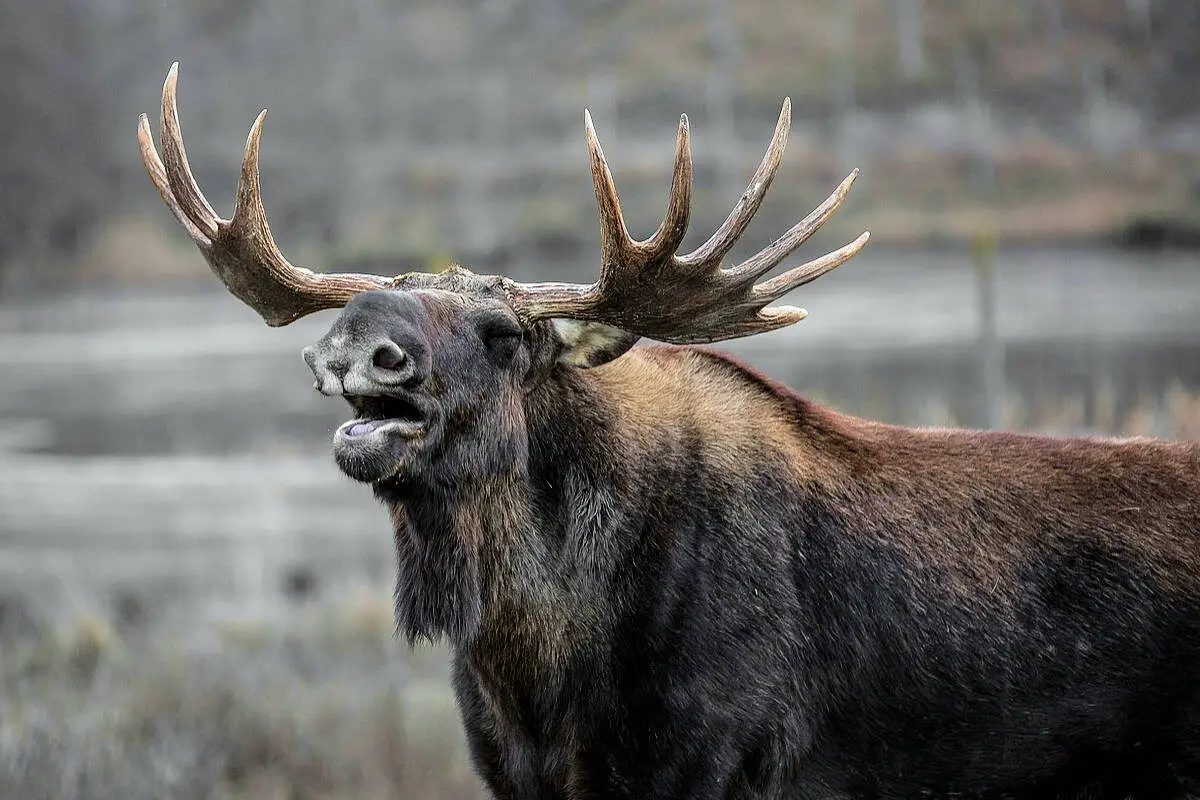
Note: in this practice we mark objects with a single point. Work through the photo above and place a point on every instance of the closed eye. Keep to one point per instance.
(498, 325)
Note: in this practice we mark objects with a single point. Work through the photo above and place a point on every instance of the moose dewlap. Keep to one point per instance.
(664, 575)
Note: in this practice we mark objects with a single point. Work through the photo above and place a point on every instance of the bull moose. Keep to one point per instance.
(664, 575)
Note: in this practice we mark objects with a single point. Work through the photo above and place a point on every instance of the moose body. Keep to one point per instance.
(723, 590)
(663, 575)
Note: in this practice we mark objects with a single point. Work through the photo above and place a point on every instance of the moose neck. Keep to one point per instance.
(513, 552)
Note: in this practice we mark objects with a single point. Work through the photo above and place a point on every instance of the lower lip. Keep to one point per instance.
(363, 428)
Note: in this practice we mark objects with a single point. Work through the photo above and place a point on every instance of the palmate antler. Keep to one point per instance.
(644, 287)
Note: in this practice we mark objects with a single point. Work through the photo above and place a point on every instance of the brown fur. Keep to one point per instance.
(1137, 495)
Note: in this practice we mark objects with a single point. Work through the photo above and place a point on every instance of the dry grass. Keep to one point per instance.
(332, 706)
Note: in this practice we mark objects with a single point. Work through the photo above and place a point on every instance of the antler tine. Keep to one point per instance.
(769, 257)
(179, 173)
(158, 176)
(248, 206)
(250, 216)
(670, 233)
(712, 251)
(780, 285)
(249, 221)
(614, 236)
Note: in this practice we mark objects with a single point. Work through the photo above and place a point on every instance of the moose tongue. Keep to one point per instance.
(365, 427)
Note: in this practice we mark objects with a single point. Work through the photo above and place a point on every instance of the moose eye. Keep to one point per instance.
(500, 332)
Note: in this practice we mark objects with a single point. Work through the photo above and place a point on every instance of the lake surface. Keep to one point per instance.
(164, 452)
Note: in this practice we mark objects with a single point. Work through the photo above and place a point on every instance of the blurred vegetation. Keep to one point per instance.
(327, 706)
(423, 132)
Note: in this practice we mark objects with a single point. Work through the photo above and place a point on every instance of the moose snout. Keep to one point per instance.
(344, 367)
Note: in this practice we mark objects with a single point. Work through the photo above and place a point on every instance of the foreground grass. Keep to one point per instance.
(330, 706)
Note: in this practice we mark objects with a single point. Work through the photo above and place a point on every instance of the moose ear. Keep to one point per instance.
(590, 344)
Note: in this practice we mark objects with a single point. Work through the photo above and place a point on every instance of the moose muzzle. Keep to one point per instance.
(343, 367)
(375, 356)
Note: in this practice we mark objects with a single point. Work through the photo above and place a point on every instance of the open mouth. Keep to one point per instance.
(381, 415)
(373, 446)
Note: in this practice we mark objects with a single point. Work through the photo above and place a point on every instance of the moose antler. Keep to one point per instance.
(241, 250)
(644, 287)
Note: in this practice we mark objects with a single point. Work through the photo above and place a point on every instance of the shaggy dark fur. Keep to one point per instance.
(667, 576)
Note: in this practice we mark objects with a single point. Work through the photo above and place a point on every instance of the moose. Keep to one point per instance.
(662, 574)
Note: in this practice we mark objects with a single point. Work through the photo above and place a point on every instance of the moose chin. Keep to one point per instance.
(663, 575)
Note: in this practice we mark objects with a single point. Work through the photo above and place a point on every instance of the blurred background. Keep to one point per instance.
(194, 602)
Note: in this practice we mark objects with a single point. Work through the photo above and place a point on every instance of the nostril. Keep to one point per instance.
(389, 356)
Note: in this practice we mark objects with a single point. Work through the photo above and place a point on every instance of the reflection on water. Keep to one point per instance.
(169, 446)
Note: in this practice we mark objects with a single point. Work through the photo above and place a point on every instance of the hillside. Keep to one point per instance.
(436, 130)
